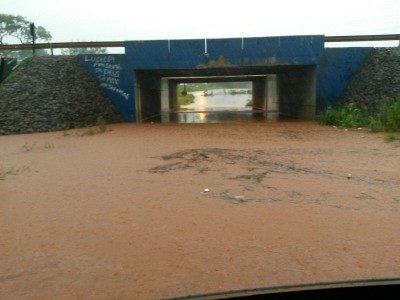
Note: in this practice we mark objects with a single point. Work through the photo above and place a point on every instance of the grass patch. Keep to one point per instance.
(28, 147)
(185, 100)
(392, 138)
(90, 131)
(48, 146)
(200, 88)
(387, 118)
(5, 173)
(348, 116)
(100, 126)
(15, 72)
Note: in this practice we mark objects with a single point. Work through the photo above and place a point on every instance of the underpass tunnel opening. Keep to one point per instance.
(219, 99)
(287, 92)
(214, 96)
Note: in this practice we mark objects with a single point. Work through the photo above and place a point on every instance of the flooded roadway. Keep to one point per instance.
(218, 107)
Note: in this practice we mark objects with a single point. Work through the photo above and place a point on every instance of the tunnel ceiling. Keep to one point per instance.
(242, 73)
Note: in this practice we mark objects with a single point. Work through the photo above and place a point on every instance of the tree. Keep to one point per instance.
(90, 50)
(17, 29)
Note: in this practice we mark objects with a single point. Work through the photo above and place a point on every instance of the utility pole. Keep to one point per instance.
(33, 34)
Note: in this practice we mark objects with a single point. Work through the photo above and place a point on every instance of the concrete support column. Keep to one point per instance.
(260, 94)
(297, 93)
(272, 98)
(272, 93)
(148, 95)
(173, 99)
(165, 107)
(310, 97)
(138, 101)
(265, 100)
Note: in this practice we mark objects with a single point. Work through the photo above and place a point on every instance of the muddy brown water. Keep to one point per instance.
(150, 211)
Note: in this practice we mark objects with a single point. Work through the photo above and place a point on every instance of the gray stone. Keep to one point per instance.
(52, 93)
(378, 78)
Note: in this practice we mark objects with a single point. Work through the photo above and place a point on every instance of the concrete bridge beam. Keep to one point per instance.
(265, 96)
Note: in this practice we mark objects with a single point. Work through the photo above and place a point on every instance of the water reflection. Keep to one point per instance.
(218, 100)
(219, 107)
(221, 116)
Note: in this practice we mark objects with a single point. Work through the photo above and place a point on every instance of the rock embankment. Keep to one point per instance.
(378, 78)
(52, 93)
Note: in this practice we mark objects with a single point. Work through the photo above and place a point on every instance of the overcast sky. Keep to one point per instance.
(114, 20)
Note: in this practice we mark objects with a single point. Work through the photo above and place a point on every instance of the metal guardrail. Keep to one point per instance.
(110, 44)
(62, 45)
(363, 38)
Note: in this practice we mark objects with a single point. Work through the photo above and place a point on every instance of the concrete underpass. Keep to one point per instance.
(286, 91)
(283, 72)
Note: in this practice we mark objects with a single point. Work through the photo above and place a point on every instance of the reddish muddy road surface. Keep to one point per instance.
(125, 214)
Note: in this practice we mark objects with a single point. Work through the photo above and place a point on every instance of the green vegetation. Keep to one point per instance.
(48, 146)
(200, 87)
(208, 93)
(99, 127)
(101, 124)
(387, 117)
(5, 173)
(207, 89)
(89, 50)
(16, 72)
(18, 27)
(249, 103)
(28, 147)
(348, 116)
(25, 61)
(15, 27)
(185, 100)
(90, 131)
(239, 92)
(392, 138)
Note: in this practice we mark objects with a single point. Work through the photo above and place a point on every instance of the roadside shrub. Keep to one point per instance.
(388, 116)
(101, 124)
(350, 116)
(391, 138)
(185, 100)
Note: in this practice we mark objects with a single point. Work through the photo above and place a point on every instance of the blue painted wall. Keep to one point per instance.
(335, 71)
(188, 54)
(116, 79)
(304, 50)
(116, 73)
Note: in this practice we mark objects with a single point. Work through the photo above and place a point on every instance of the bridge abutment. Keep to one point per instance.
(297, 93)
